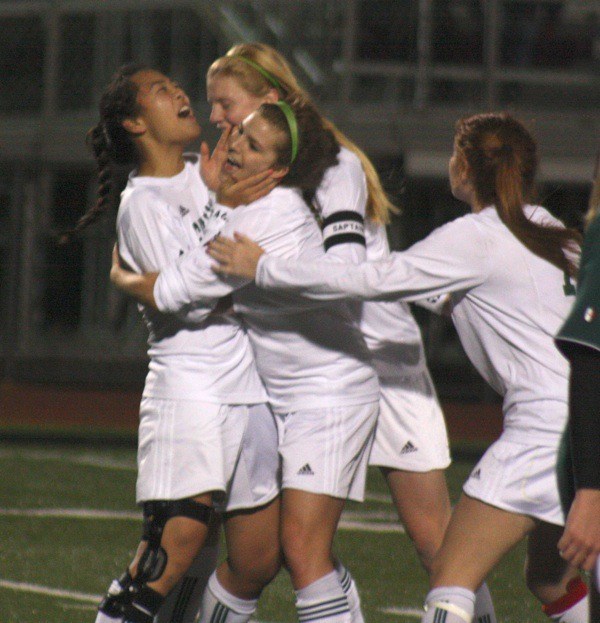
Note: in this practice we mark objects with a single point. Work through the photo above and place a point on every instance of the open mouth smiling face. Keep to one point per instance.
(253, 148)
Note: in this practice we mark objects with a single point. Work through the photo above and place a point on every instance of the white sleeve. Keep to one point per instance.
(148, 242)
(342, 199)
(192, 280)
(454, 257)
(146, 239)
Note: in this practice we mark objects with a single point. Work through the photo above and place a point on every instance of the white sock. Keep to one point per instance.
(104, 618)
(220, 606)
(484, 607)
(183, 602)
(450, 604)
(349, 587)
(323, 600)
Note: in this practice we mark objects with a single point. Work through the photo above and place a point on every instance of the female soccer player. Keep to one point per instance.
(354, 211)
(202, 385)
(312, 359)
(508, 266)
(579, 340)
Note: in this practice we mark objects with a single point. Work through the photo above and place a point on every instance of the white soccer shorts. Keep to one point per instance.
(411, 430)
(188, 447)
(325, 451)
(518, 478)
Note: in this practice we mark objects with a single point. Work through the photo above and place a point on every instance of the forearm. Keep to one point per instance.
(140, 287)
(390, 279)
(584, 407)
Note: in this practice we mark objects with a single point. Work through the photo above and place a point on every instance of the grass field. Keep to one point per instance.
(69, 525)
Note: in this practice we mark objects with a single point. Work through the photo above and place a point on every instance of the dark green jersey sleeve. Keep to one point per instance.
(583, 323)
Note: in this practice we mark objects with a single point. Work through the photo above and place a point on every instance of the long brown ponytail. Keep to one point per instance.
(111, 145)
(502, 158)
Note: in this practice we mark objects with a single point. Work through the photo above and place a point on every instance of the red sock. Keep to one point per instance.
(576, 590)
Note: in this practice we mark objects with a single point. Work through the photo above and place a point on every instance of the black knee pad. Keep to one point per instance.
(156, 514)
(144, 606)
(118, 596)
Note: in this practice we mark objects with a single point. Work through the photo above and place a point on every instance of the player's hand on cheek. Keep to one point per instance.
(238, 258)
(233, 194)
(211, 164)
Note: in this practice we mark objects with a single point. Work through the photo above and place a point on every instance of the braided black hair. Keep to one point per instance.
(111, 145)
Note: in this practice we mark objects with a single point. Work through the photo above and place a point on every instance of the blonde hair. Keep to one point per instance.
(379, 207)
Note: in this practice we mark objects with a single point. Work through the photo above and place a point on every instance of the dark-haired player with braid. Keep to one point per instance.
(312, 358)
(202, 386)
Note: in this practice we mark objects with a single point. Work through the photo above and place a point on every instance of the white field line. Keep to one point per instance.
(52, 592)
(403, 612)
(370, 515)
(351, 521)
(94, 460)
(88, 459)
(360, 526)
(94, 599)
(81, 606)
(378, 497)
(73, 513)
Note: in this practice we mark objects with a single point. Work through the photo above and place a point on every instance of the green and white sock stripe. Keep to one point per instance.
(323, 609)
(219, 614)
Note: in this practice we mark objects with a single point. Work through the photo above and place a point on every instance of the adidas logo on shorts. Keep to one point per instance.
(476, 474)
(306, 471)
(183, 211)
(408, 448)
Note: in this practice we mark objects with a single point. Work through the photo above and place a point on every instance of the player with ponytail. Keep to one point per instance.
(508, 267)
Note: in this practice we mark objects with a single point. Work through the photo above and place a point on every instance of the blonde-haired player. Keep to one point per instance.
(411, 444)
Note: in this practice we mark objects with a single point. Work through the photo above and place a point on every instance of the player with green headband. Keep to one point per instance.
(312, 360)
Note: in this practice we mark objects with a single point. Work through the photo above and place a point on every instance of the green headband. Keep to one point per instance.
(287, 110)
(293, 125)
(269, 77)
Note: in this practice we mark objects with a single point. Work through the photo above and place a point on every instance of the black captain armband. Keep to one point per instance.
(342, 228)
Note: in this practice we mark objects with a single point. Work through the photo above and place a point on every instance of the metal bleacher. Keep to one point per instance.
(393, 74)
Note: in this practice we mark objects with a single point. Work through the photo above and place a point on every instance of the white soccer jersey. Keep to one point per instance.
(308, 355)
(507, 306)
(389, 329)
(208, 359)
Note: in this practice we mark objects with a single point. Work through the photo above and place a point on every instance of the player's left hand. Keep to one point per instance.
(580, 542)
(237, 257)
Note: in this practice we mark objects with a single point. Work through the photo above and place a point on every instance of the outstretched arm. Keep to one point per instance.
(454, 258)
